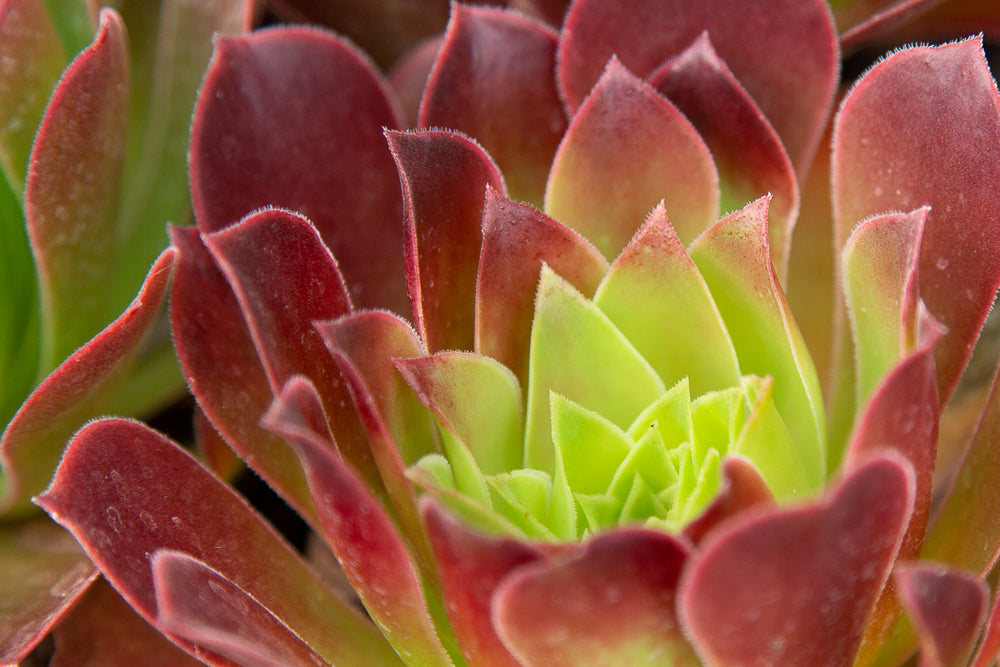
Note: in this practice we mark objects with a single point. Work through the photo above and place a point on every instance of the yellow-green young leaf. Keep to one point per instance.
(591, 448)
(650, 460)
(671, 413)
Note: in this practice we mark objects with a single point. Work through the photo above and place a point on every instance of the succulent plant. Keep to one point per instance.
(532, 370)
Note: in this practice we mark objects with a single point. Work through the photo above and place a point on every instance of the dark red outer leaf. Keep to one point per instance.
(293, 117)
(861, 24)
(517, 239)
(285, 279)
(743, 487)
(796, 586)
(223, 370)
(946, 606)
(923, 128)
(471, 567)
(615, 597)
(408, 77)
(75, 392)
(645, 33)
(748, 153)
(103, 630)
(444, 176)
(550, 11)
(374, 556)
(493, 80)
(125, 491)
(197, 603)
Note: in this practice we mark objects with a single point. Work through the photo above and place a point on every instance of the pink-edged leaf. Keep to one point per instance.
(612, 603)
(645, 33)
(656, 297)
(257, 140)
(76, 391)
(358, 529)
(224, 372)
(29, 41)
(923, 128)
(743, 487)
(493, 81)
(605, 180)
(747, 151)
(901, 415)
(471, 567)
(409, 75)
(444, 176)
(125, 491)
(103, 630)
(201, 605)
(71, 196)
(517, 239)
(795, 586)
(735, 261)
(285, 279)
(398, 428)
(45, 573)
(947, 607)
(966, 531)
(989, 647)
(383, 29)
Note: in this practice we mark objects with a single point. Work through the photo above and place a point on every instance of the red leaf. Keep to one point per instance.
(743, 487)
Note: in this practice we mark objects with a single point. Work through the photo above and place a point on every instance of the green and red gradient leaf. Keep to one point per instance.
(71, 196)
(471, 566)
(517, 240)
(293, 117)
(197, 603)
(357, 528)
(217, 353)
(743, 487)
(748, 153)
(656, 297)
(125, 492)
(493, 80)
(45, 573)
(626, 149)
(922, 128)
(947, 607)
(101, 629)
(646, 33)
(613, 602)
(735, 261)
(76, 391)
(444, 176)
(750, 595)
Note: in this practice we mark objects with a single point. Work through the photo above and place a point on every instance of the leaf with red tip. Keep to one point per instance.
(103, 630)
(197, 603)
(223, 370)
(645, 33)
(655, 296)
(125, 491)
(923, 128)
(45, 572)
(444, 176)
(493, 80)
(517, 239)
(947, 607)
(71, 196)
(471, 567)
(966, 531)
(796, 586)
(357, 528)
(743, 487)
(293, 117)
(734, 258)
(613, 603)
(76, 391)
(748, 153)
(626, 149)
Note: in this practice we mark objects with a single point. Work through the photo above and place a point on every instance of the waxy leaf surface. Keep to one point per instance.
(256, 141)
(626, 149)
(124, 491)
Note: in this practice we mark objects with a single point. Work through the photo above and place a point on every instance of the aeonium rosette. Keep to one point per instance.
(602, 439)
